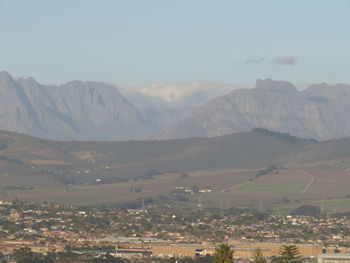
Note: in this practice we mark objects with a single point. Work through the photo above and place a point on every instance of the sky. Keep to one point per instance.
(139, 42)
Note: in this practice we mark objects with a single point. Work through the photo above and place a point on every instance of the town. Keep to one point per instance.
(134, 234)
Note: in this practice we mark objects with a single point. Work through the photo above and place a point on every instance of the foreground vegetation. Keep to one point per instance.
(223, 254)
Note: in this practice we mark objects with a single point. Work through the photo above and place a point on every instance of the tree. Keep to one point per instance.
(25, 255)
(258, 256)
(184, 175)
(2, 258)
(223, 254)
(307, 210)
(109, 259)
(289, 253)
(67, 253)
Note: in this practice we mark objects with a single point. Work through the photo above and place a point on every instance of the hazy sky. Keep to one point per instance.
(138, 42)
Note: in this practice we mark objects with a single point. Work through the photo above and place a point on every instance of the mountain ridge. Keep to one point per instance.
(141, 159)
(80, 110)
(89, 110)
(275, 105)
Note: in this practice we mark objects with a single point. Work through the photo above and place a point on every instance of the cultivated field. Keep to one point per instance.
(225, 168)
(281, 191)
(123, 192)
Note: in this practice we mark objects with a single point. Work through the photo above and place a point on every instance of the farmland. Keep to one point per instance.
(198, 173)
(281, 191)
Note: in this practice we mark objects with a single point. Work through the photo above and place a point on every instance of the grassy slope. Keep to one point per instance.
(113, 161)
(220, 163)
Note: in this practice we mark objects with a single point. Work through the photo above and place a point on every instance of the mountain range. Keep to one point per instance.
(87, 110)
(321, 111)
(166, 103)
(76, 110)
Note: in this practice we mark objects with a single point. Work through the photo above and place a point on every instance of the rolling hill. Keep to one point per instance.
(236, 167)
(83, 162)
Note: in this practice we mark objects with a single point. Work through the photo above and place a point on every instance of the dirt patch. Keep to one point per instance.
(48, 162)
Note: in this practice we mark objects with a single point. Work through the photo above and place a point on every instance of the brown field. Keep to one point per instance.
(230, 188)
(304, 184)
(121, 192)
(299, 185)
(48, 162)
(37, 180)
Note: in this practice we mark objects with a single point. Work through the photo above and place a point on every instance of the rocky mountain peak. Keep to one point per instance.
(77, 110)
(274, 85)
(28, 82)
(274, 105)
(5, 74)
(5, 78)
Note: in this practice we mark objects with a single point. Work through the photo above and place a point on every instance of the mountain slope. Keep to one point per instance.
(84, 162)
(335, 149)
(96, 172)
(76, 110)
(275, 105)
(167, 103)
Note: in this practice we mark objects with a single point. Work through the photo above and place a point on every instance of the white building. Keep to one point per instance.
(333, 258)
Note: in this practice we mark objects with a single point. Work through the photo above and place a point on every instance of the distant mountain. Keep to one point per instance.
(192, 93)
(160, 112)
(321, 112)
(76, 110)
(86, 110)
(166, 103)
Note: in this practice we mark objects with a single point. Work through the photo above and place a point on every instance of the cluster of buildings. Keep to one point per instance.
(165, 233)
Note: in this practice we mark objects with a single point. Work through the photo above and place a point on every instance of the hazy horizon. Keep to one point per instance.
(140, 43)
(121, 86)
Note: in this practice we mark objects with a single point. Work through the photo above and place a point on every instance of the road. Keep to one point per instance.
(309, 183)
